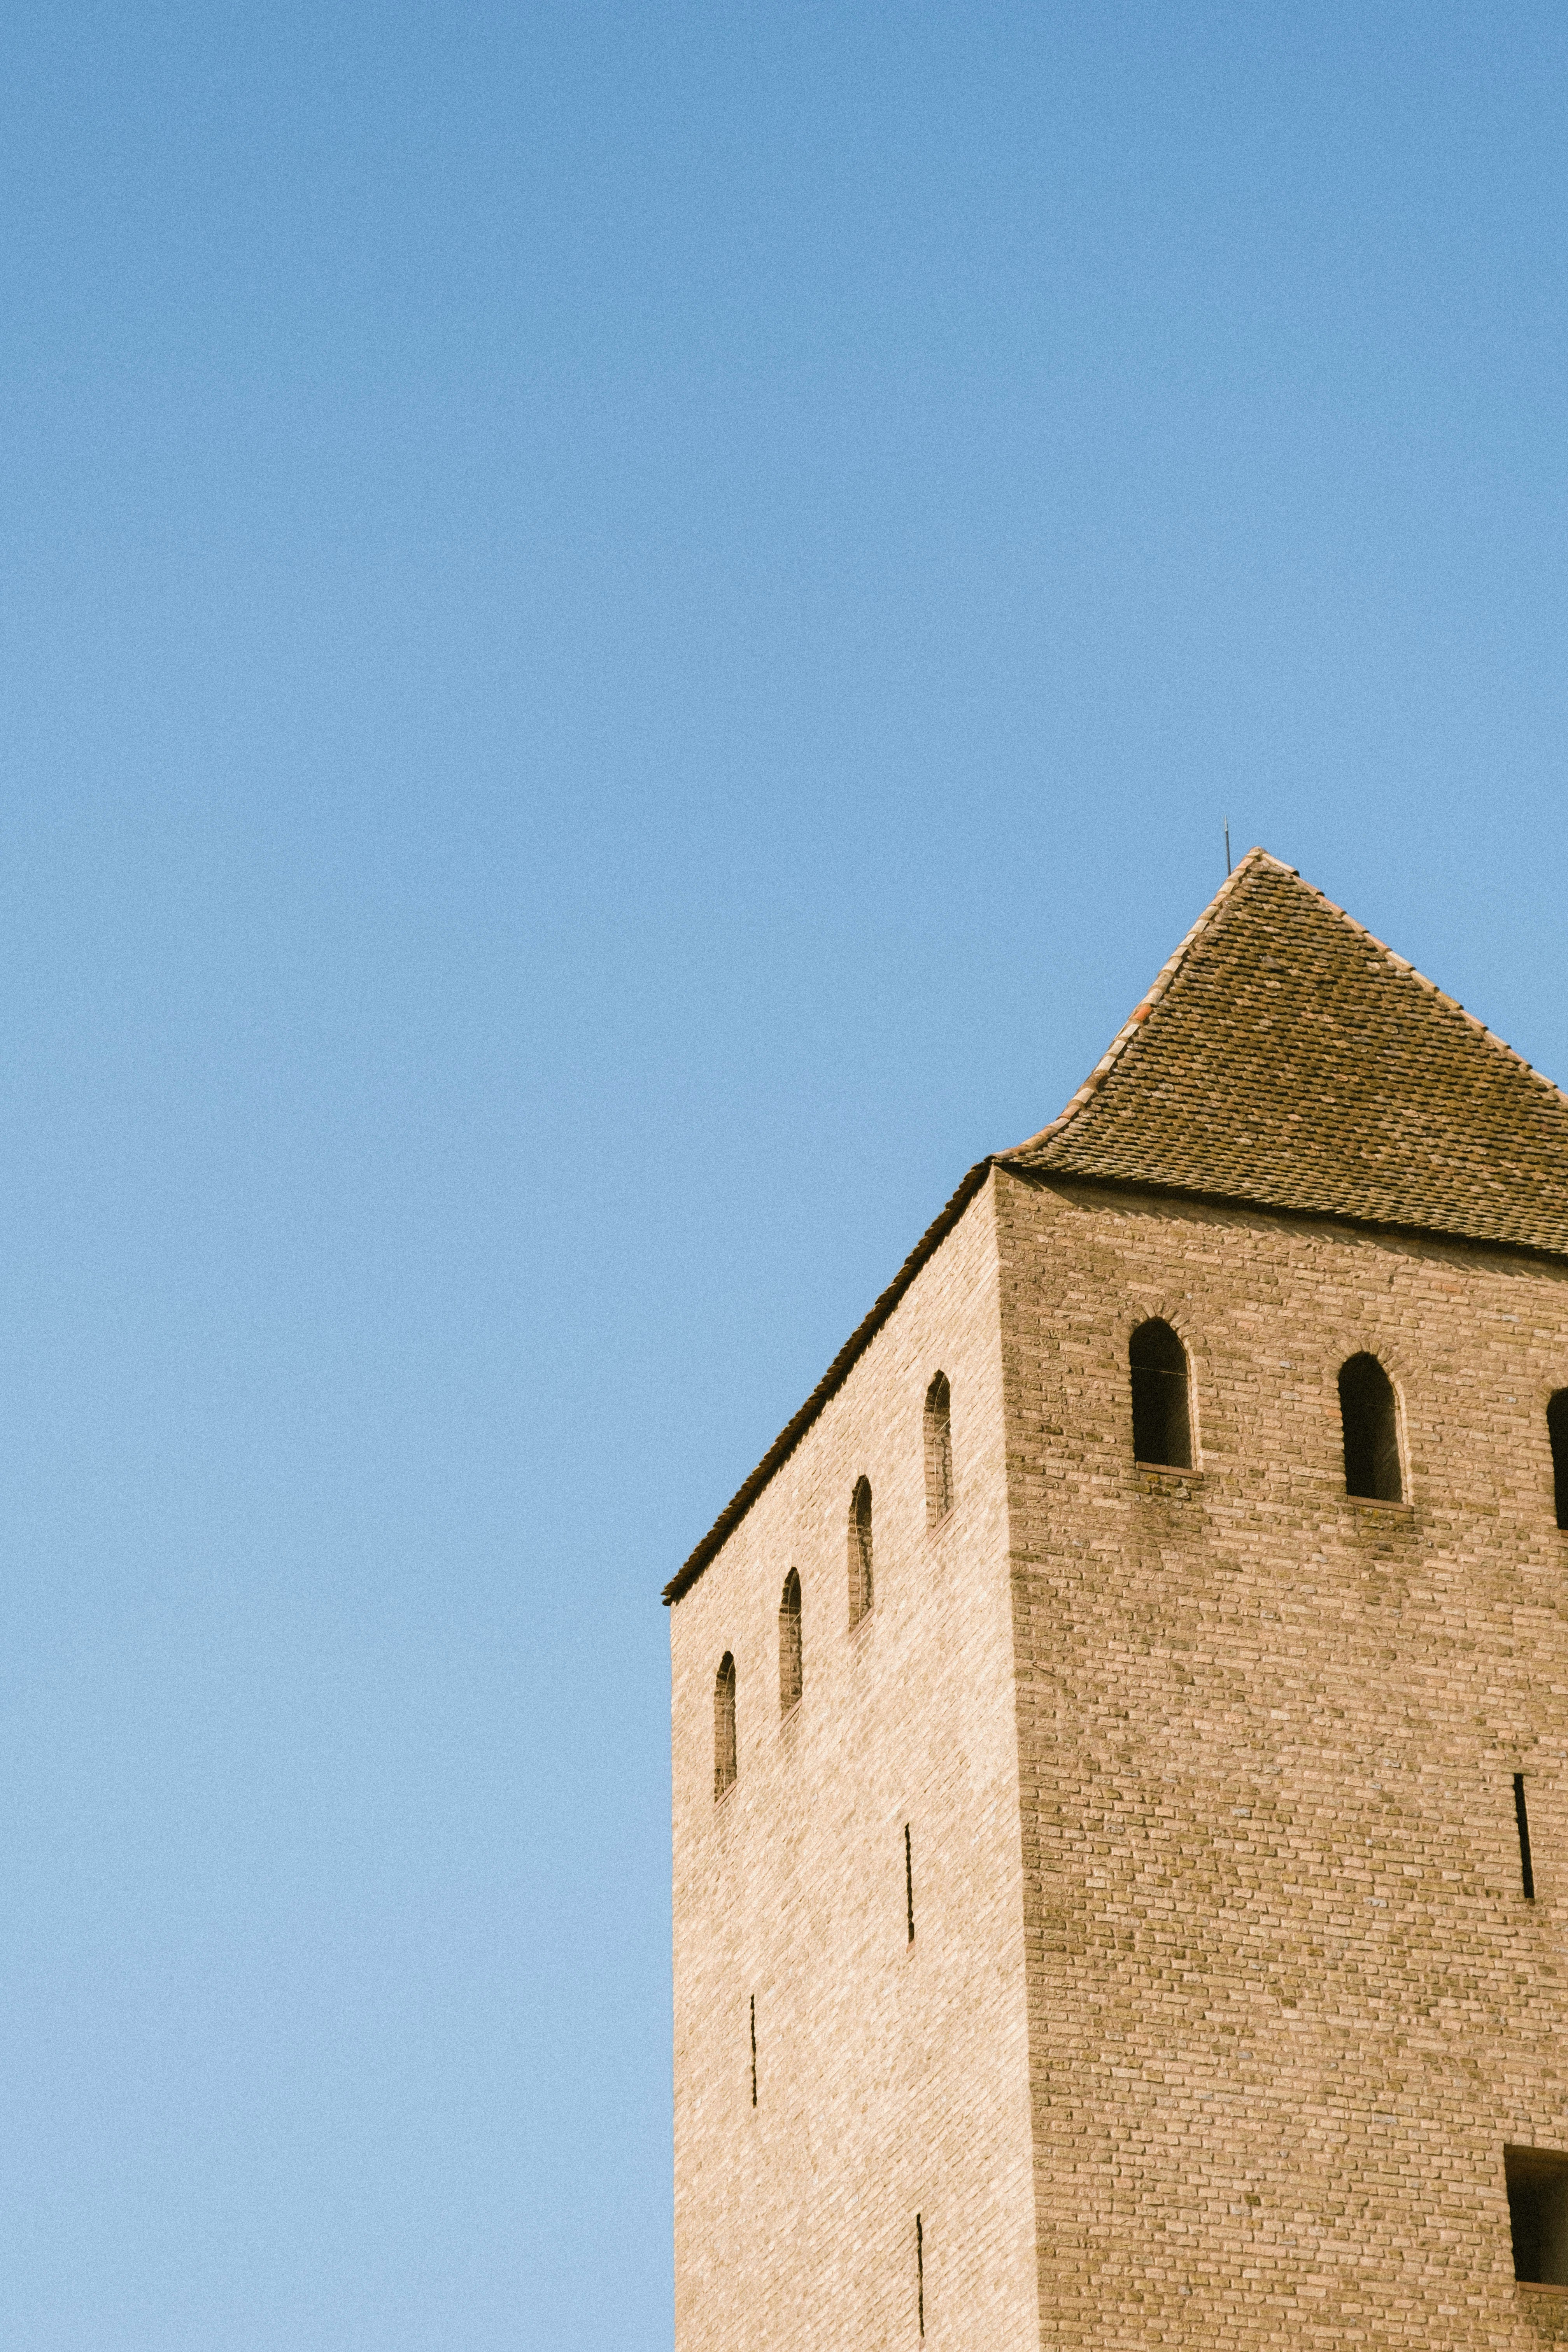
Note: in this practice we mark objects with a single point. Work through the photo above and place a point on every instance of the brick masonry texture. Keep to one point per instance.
(891, 2079)
(1225, 1996)
(1286, 2001)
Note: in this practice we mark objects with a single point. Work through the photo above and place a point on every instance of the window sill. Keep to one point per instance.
(1539, 2286)
(1402, 1514)
(1165, 1478)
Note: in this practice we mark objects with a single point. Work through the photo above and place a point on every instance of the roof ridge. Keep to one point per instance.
(1347, 1110)
(1256, 857)
(1411, 971)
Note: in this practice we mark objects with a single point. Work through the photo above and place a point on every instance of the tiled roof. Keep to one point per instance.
(1286, 1058)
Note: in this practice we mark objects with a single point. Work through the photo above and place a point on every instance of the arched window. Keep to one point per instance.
(859, 1550)
(1161, 1416)
(1557, 1429)
(939, 1451)
(790, 1679)
(724, 1726)
(1372, 1431)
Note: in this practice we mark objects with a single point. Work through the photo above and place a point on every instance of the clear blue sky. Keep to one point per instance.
(628, 633)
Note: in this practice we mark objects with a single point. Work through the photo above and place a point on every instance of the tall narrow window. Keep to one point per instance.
(1557, 1429)
(920, 2274)
(909, 1883)
(859, 1550)
(1161, 1414)
(939, 1451)
(790, 1678)
(724, 1726)
(1372, 1431)
(1522, 1816)
(754, 2050)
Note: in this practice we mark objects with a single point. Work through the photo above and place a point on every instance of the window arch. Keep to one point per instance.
(859, 1550)
(790, 1681)
(724, 1726)
(1370, 1419)
(939, 1451)
(1161, 1407)
(1557, 1429)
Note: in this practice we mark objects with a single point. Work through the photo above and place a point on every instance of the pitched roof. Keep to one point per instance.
(1285, 1056)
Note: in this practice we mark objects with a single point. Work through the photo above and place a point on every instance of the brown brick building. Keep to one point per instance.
(1121, 1730)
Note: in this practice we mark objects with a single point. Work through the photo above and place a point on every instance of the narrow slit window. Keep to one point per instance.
(791, 1680)
(920, 2274)
(939, 1451)
(860, 1551)
(909, 1883)
(1161, 1407)
(1537, 2181)
(754, 2050)
(1557, 1429)
(724, 1726)
(1522, 1816)
(1371, 1420)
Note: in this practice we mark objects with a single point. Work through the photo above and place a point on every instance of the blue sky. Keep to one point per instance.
(625, 635)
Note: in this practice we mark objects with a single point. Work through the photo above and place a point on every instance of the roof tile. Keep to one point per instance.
(1285, 1056)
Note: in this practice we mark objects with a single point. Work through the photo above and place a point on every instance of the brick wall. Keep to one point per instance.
(891, 2079)
(1286, 2001)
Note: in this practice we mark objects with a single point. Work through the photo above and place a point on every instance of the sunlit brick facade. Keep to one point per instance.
(1224, 1996)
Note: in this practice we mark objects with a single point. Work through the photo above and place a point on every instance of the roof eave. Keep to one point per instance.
(832, 1380)
(1043, 1173)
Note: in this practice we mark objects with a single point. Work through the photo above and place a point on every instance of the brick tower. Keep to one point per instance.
(1120, 1728)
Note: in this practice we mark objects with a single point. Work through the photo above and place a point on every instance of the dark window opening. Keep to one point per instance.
(1538, 2210)
(859, 1550)
(920, 2273)
(1557, 1429)
(939, 1451)
(1371, 1431)
(909, 1883)
(1161, 1414)
(1522, 1816)
(724, 1726)
(791, 1679)
(754, 2050)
